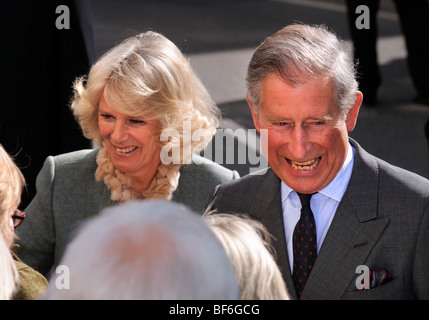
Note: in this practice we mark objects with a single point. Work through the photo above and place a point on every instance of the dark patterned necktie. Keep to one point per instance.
(304, 244)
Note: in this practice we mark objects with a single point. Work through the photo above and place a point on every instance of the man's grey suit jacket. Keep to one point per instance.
(68, 194)
(381, 222)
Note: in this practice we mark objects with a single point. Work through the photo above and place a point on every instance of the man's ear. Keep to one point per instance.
(353, 112)
(254, 115)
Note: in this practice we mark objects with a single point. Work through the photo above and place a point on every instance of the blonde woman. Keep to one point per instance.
(16, 277)
(247, 244)
(147, 114)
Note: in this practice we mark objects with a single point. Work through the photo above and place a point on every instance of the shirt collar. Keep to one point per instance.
(337, 187)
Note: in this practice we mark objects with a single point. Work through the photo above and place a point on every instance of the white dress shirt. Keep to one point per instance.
(323, 204)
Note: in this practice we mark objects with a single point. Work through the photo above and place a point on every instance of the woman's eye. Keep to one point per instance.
(106, 116)
(137, 122)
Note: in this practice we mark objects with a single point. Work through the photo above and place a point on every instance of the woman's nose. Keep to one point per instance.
(119, 133)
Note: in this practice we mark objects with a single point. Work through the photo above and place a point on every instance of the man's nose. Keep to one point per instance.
(299, 144)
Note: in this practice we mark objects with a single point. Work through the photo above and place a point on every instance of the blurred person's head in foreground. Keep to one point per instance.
(152, 249)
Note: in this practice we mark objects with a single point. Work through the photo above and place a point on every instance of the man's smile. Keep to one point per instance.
(304, 166)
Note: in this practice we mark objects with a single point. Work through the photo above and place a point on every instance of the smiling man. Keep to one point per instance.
(307, 134)
(330, 206)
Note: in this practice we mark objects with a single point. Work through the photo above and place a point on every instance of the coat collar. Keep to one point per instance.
(362, 190)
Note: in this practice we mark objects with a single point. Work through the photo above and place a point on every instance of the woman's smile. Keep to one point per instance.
(125, 150)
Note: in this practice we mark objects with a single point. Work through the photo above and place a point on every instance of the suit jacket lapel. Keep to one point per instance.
(266, 207)
(354, 231)
(346, 246)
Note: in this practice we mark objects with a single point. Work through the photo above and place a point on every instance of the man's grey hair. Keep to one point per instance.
(300, 52)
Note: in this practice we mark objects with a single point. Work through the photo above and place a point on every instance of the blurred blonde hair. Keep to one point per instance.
(147, 76)
(247, 243)
(9, 279)
(11, 185)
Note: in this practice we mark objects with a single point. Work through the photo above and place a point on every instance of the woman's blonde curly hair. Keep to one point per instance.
(147, 76)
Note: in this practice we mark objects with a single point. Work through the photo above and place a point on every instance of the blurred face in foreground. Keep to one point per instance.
(307, 133)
